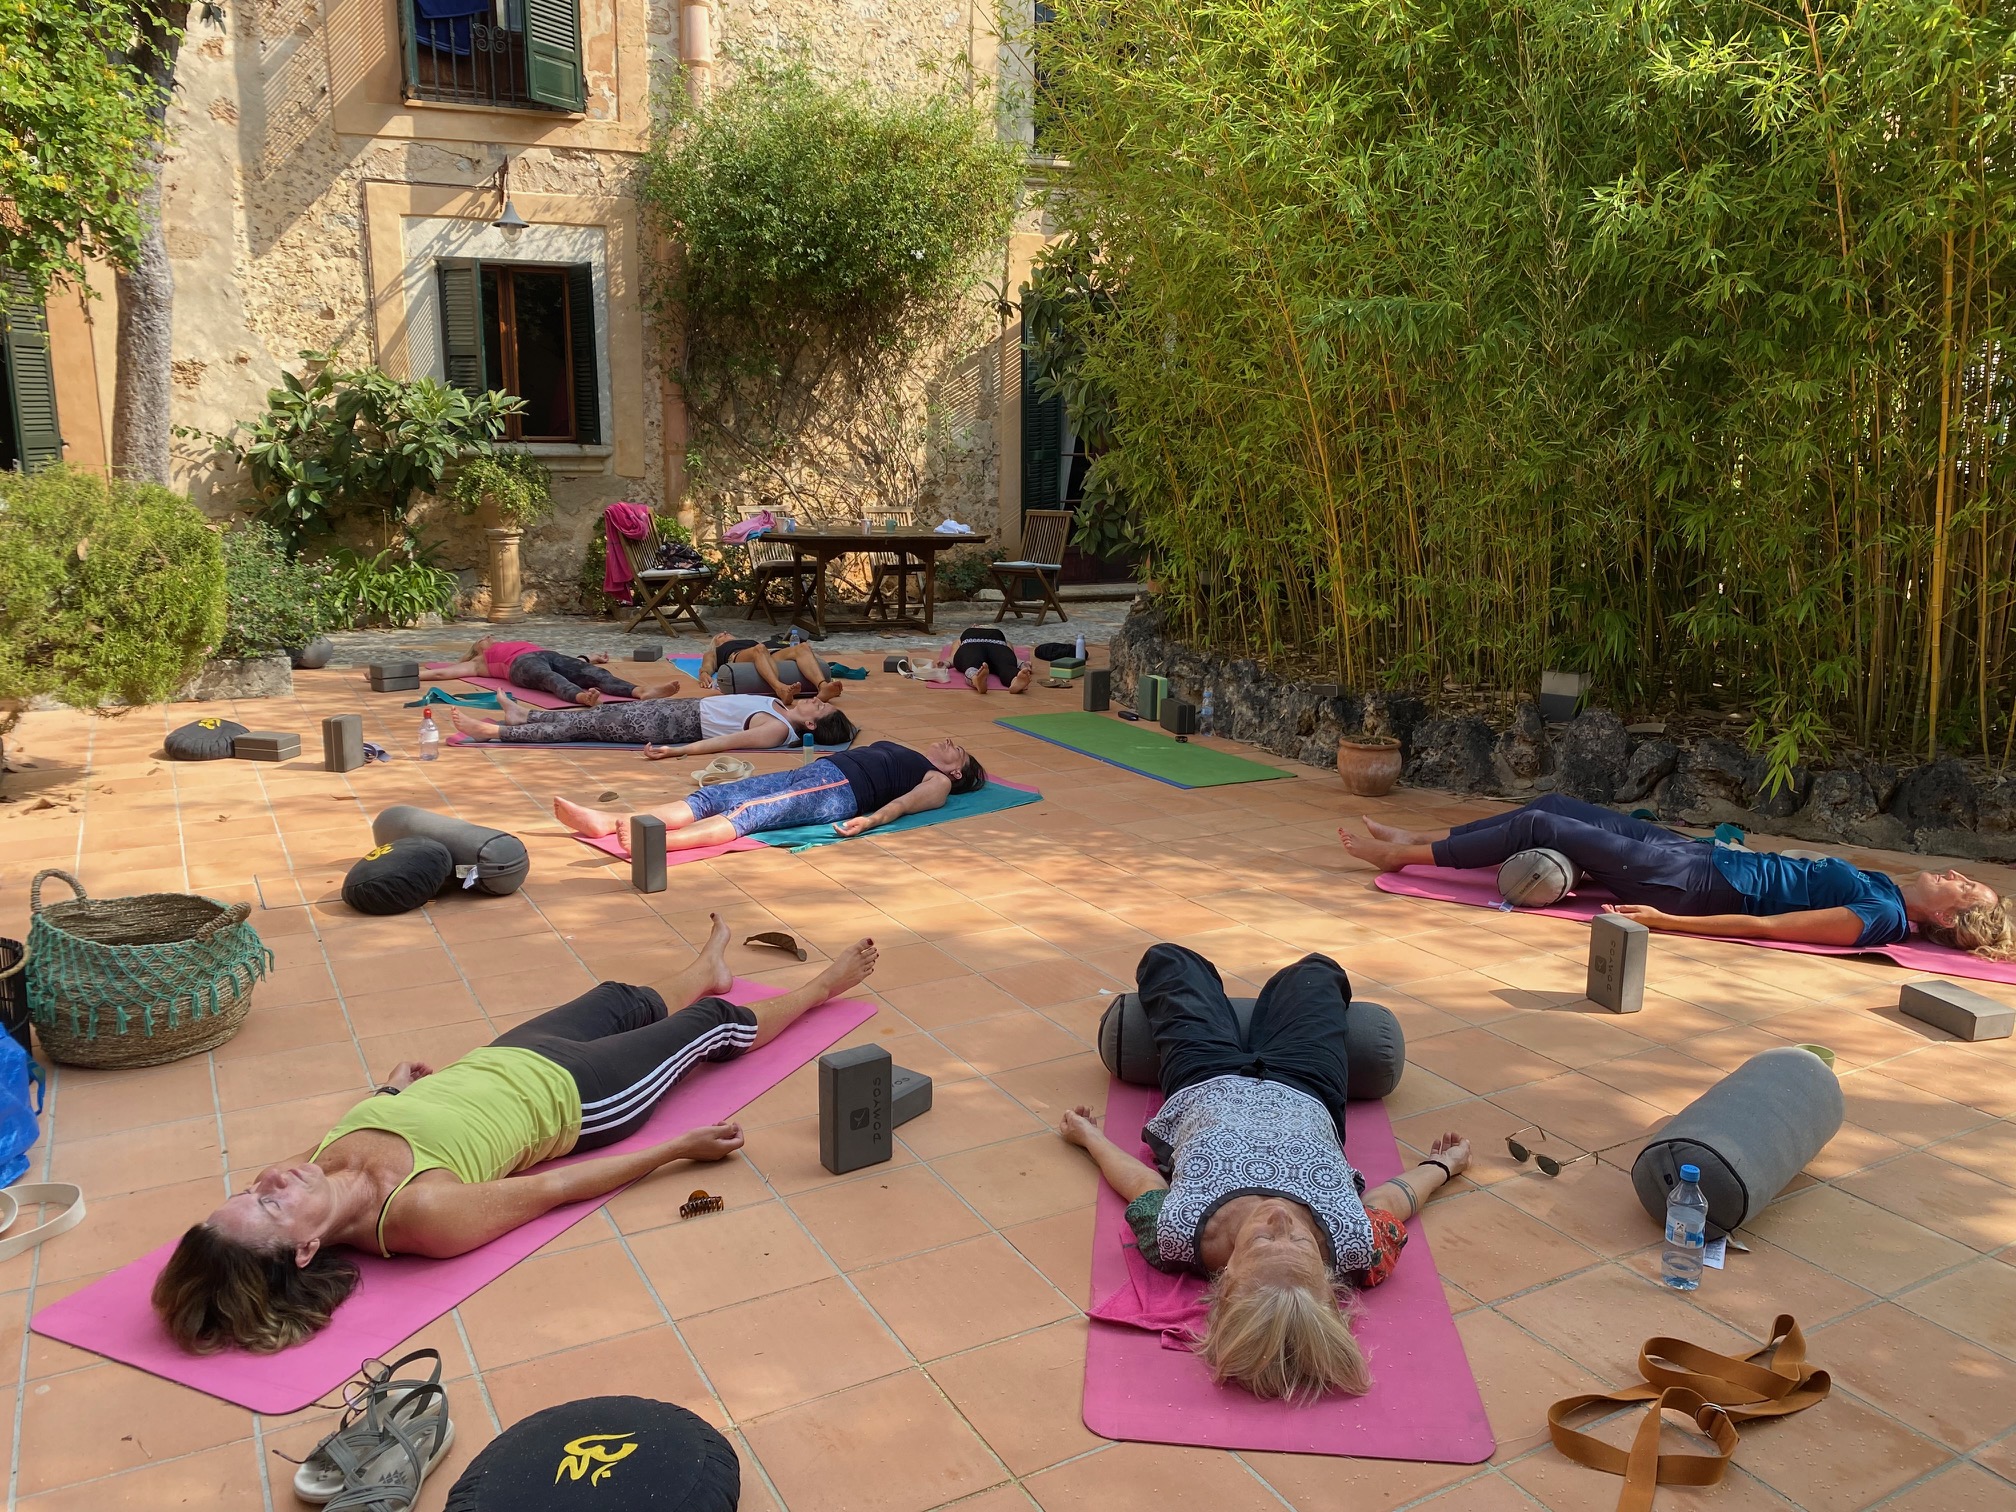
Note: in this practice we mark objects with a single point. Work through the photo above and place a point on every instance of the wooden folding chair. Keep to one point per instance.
(1043, 532)
(666, 594)
(889, 566)
(773, 561)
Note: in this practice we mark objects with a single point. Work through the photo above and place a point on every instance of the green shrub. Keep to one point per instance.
(963, 573)
(108, 591)
(395, 587)
(356, 441)
(273, 602)
(513, 484)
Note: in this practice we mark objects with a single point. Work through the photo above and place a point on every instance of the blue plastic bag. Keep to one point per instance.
(19, 1078)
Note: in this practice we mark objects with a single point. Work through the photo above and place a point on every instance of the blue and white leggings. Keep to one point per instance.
(814, 794)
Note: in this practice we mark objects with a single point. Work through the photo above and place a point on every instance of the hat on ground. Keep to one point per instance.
(205, 740)
(398, 877)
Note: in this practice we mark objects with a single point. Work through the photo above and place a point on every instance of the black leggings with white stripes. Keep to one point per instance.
(624, 1050)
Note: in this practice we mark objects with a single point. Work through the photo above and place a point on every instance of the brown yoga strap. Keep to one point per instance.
(1716, 1391)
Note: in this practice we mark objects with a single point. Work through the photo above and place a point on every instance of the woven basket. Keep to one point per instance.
(124, 982)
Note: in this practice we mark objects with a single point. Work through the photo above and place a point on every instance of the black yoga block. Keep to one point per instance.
(266, 745)
(893, 663)
(647, 653)
(343, 742)
(1179, 718)
(856, 1122)
(647, 853)
(909, 1095)
(1098, 690)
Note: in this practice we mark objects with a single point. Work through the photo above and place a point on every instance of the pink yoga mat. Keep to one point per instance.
(532, 695)
(1423, 1404)
(1479, 889)
(958, 684)
(398, 1297)
(617, 846)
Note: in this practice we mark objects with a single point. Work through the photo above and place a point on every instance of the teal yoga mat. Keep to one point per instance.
(1143, 749)
(991, 799)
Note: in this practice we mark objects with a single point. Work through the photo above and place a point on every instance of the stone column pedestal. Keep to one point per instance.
(507, 578)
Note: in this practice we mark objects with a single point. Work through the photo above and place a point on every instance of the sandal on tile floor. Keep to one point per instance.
(379, 1396)
(412, 1441)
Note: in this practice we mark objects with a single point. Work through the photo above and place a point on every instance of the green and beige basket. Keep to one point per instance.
(139, 981)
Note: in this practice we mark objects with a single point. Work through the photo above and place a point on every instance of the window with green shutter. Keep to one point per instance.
(530, 330)
(1042, 443)
(516, 54)
(32, 437)
(553, 53)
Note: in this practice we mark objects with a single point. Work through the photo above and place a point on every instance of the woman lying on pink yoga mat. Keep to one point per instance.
(1673, 882)
(427, 1165)
(578, 679)
(1258, 1194)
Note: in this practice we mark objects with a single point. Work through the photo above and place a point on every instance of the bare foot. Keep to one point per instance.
(978, 678)
(714, 956)
(714, 1142)
(510, 711)
(1390, 832)
(849, 970)
(588, 698)
(1453, 1150)
(1022, 679)
(663, 690)
(831, 689)
(1384, 854)
(470, 725)
(587, 822)
(1078, 1126)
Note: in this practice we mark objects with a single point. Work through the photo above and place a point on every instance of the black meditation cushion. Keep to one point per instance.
(609, 1454)
(1051, 651)
(399, 876)
(205, 740)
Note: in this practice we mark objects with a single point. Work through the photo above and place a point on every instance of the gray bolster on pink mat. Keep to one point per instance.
(1374, 1042)
(1750, 1134)
(499, 859)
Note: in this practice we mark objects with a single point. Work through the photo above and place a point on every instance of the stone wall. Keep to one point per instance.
(1940, 808)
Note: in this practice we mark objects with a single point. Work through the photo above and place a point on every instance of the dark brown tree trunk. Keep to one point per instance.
(142, 393)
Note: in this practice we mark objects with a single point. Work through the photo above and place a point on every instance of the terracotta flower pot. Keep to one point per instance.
(1368, 768)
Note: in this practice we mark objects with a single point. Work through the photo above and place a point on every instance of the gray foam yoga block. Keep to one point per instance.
(343, 742)
(266, 745)
(647, 653)
(856, 1122)
(1178, 718)
(1618, 948)
(1960, 1011)
(395, 685)
(647, 853)
(909, 1095)
(893, 663)
(1098, 690)
(393, 671)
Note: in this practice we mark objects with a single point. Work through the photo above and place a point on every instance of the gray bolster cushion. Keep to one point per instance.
(1750, 1134)
(739, 677)
(1372, 1036)
(499, 860)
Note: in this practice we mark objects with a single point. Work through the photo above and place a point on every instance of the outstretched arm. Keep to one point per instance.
(1126, 1175)
(929, 794)
(445, 671)
(442, 1218)
(1809, 926)
(766, 734)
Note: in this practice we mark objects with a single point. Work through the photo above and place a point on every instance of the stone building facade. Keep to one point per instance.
(331, 158)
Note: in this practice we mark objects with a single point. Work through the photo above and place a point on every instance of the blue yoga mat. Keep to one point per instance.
(991, 799)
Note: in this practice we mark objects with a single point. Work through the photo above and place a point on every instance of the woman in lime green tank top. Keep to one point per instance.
(430, 1164)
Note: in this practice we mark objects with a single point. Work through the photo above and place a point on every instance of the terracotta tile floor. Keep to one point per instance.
(911, 1336)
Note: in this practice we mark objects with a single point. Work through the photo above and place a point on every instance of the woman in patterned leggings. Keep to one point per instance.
(1253, 1189)
(667, 726)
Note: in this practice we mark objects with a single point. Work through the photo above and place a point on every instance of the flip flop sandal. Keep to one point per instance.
(376, 1394)
(410, 1445)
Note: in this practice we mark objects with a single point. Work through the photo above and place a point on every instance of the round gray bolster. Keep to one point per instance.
(1750, 1134)
(1374, 1044)
(498, 858)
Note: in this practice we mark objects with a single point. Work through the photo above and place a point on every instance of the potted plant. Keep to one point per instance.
(513, 493)
(1368, 766)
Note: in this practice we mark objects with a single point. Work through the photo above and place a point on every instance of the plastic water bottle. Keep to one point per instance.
(1081, 645)
(811, 751)
(430, 736)
(1204, 722)
(1686, 1232)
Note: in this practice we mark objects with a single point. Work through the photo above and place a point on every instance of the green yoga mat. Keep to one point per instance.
(1143, 749)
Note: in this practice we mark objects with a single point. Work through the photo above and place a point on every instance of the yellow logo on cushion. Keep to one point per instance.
(588, 1450)
(208, 724)
(383, 850)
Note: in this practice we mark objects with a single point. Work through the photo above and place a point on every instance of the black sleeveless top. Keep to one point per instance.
(880, 773)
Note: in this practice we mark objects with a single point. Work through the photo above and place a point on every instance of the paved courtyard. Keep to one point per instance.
(912, 1336)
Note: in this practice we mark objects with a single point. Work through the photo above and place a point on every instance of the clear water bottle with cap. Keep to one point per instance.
(1686, 1232)
(810, 750)
(430, 736)
(1205, 724)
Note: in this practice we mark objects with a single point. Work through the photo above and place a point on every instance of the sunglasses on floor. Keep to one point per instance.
(1548, 1165)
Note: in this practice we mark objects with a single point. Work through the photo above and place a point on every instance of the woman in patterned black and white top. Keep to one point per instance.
(1253, 1188)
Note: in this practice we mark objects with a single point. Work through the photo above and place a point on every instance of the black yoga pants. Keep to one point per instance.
(1639, 862)
(1296, 1036)
(565, 676)
(625, 1051)
(993, 655)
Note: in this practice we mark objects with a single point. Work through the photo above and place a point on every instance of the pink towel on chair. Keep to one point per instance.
(621, 522)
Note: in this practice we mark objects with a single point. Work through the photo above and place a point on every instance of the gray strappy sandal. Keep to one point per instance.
(412, 1441)
(379, 1393)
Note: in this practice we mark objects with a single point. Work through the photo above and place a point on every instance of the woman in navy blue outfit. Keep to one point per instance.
(1672, 882)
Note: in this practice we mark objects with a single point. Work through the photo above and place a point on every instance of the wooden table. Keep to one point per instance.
(819, 548)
